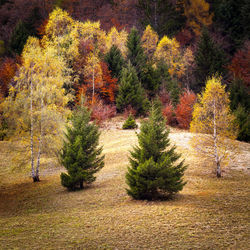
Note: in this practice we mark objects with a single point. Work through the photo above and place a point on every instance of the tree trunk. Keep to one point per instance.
(93, 82)
(218, 169)
(81, 184)
(31, 131)
(40, 144)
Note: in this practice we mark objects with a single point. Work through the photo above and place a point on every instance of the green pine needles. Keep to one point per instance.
(155, 169)
(80, 154)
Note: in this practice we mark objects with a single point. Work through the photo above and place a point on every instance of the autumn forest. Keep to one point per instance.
(132, 105)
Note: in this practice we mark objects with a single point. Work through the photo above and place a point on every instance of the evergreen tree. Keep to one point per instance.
(135, 51)
(209, 59)
(129, 123)
(232, 18)
(19, 37)
(240, 105)
(153, 168)
(115, 61)
(80, 153)
(130, 92)
(165, 17)
(150, 79)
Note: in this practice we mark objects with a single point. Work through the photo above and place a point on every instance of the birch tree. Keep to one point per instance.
(37, 103)
(214, 121)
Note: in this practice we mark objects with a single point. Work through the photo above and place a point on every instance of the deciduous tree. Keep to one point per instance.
(214, 121)
(35, 108)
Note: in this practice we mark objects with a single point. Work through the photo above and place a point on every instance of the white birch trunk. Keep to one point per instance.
(40, 144)
(218, 169)
(93, 82)
(31, 131)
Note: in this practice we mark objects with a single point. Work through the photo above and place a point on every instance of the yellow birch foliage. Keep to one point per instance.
(197, 13)
(114, 37)
(149, 41)
(39, 81)
(214, 122)
(60, 33)
(169, 51)
(91, 32)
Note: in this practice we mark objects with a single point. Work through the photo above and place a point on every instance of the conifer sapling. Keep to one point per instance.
(80, 154)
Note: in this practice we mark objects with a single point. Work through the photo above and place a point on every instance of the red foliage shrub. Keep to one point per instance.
(101, 112)
(168, 112)
(184, 109)
(240, 66)
(164, 97)
(129, 110)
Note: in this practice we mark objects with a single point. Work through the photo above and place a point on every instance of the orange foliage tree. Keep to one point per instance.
(240, 66)
(7, 72)
(184, 109)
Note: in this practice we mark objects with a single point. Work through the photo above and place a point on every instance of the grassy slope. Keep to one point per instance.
(207, 214)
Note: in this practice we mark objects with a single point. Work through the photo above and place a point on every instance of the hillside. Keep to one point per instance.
(208, 213)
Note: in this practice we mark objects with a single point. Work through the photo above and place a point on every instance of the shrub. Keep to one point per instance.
(184, 109)
(129, 123)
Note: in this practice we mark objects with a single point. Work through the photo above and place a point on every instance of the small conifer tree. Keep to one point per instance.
(130, 92)
(155, 169)
(80, 154)
(129, 123)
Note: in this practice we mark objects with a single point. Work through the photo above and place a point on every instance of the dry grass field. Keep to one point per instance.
(208, 213)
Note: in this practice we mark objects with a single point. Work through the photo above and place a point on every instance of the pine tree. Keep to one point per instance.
(135, 51)
(154, 167)
(19, 37)
(130, 92)
(80, 153)
(209, 60)
(240, 105)
(115, 61)
(165, 17)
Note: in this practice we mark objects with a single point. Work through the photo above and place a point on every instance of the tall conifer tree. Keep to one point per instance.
(209, 59)
(80, 154)
(154, 167)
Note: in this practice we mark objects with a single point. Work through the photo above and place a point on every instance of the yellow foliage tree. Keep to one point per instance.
(149, 41)
(93, 72)
(36, 105)
(60, 33)
(213, 119)
(197, 13)
(114, 37)
(169, 51)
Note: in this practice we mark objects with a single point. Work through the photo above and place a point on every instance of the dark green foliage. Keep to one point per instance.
(115, 61)
(80, 153)
(18, 38)
(243, 120)
(150, 79)
(3, 127)
(239, 94)
(232, 17)
(240, 105)
(210, 59)
(171, 85)
(130, 92)
(135, 51)
(163, 16)
(155, 169)
(129, 123)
